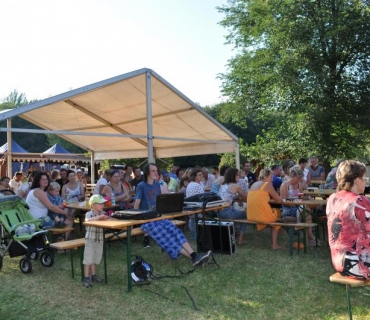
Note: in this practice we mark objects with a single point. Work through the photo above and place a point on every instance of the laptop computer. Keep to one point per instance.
(171, 202)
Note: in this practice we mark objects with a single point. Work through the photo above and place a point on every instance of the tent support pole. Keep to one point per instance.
(92, 167)
(149, 116)
(10, 151)
(237, 156)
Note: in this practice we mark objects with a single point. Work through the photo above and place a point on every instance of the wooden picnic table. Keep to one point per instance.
(116, 226)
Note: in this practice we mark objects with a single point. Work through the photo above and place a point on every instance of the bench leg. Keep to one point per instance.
(128, 258)
(105, 258)
(72, 265)
(348, 288)
(291, 239)
(81, 256)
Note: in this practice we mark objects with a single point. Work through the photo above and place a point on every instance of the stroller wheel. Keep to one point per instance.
(25, 265)
(34, 255)
(47, 259)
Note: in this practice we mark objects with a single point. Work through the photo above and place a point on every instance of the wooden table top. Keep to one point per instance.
(325, 192)
(113, 223)
(313, 202)
(317, 181)
(76, 206)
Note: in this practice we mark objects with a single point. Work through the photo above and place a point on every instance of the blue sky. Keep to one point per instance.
(50, 47)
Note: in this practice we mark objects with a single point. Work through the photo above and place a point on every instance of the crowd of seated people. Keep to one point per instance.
(247, 195)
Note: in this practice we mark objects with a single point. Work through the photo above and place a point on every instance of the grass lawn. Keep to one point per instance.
(254, 283)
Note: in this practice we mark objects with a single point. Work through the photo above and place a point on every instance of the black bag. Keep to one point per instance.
(135, 214)
(202, 197)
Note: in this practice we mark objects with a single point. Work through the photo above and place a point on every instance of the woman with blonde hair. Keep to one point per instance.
(258, 207)
(290, 190)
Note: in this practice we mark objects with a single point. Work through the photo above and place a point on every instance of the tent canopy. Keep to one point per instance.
(54, 154)
(15, 148)
(56, 148)
(109, 118)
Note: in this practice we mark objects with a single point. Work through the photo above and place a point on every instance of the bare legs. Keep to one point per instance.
(274, 235)
(88, 268)
(241, 238)
(186, 250)
(69, 223)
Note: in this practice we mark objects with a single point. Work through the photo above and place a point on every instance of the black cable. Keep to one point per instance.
(172, 300)
(153, 277)
(191, 298)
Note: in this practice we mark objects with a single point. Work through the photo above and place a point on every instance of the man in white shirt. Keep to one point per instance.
(208, 179)
(16, 183)
(102, 182)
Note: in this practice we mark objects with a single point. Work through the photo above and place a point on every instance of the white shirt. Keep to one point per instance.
(208, 183)
(25, 188)
(305, 173)
(36, 208)
(101, 182)
(15, 185)
(194, 188)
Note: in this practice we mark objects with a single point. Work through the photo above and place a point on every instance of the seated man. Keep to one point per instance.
(16, 183)
(163, 232)
(317, 172)
(276, 179)
(172, 184)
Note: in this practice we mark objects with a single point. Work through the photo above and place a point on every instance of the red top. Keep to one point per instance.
(348, 226)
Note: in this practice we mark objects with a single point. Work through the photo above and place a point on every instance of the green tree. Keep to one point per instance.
(14, 100)
(303, 58)
(31, 142)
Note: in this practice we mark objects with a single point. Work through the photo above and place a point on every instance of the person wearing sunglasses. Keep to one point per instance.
(348, 212)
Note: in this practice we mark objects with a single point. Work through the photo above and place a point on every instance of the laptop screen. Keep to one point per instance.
(172, 202)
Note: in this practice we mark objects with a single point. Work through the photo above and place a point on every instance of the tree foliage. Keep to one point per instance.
(307, 62)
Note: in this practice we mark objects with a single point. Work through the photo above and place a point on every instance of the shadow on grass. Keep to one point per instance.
(254, 283)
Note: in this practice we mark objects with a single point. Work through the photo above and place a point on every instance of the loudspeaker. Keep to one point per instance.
(216, 236)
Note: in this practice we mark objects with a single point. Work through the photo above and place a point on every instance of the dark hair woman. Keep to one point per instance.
(39, 203)
(74, 190)
(121, 194)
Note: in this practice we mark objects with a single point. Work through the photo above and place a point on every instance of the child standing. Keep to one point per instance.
(93, 241)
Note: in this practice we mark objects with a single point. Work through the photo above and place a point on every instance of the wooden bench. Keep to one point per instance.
(348, 282)
(75, 244)
(72, 245)
(292, 226)
(59, 231)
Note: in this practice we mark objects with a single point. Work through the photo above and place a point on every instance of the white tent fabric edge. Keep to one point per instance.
(193, 132)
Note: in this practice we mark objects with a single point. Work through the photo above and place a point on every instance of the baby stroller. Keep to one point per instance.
(21, 234)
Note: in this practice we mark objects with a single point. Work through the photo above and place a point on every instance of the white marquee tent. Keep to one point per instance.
(110, 119)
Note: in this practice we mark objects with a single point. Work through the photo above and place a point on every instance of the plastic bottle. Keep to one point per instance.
(113, 199)
(87, 199)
